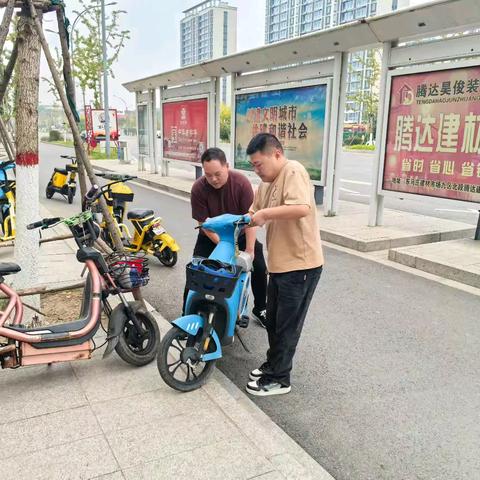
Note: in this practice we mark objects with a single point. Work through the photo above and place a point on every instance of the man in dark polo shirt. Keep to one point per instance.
(220, 191)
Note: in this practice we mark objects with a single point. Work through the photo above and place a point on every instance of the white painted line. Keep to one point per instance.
(355, 182)
(457, 210)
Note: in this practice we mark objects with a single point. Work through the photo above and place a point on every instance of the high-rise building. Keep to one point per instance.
(291, 18)
(208, 30)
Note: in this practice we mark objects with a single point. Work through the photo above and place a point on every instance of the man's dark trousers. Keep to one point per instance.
(288, 298)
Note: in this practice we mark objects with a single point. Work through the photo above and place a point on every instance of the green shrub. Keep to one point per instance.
(54, 136)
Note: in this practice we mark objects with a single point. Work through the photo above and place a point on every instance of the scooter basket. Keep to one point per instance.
(215, 279)
(129, 271)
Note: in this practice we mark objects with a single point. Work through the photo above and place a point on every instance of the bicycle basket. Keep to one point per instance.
(128, 270)
(209, 277)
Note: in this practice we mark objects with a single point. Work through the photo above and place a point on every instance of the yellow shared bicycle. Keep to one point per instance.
(149, 234)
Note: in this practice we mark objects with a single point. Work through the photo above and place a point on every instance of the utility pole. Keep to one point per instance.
(105, 81)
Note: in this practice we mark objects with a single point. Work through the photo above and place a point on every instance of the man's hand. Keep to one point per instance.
(258, 219)
(251, 252)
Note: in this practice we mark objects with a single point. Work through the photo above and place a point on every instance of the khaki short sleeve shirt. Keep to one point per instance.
(291, 244)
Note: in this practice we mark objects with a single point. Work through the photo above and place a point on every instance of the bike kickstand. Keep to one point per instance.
(237, 332)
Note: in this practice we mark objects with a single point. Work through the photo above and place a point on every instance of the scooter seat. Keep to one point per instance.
(63, 171)
(8, 268)
(139, 213)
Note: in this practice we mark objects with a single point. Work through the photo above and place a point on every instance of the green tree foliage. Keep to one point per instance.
(87, 54)
(225, 122)
(366, 98)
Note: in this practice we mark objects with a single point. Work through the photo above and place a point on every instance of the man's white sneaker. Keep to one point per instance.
(258, 372)
(264, 388)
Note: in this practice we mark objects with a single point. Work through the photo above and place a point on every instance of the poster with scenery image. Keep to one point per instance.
(185, 129)
(295, 115)
(433, 134)
(98, 122)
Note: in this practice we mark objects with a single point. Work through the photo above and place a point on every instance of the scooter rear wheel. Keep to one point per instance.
(136, 350)
(177, 373)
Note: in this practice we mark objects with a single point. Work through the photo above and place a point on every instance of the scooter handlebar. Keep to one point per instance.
(246, 220)
(44, 223)
(92, 193)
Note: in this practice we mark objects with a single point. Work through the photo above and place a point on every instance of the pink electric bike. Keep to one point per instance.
(132, 332)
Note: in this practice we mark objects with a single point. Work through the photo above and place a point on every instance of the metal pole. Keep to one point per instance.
(339, 132)
(477, 232)
(212, 109)
(233, 83)
(105, 81)
(152, 129)
(332, 141)
(164, 163)
(375, 215)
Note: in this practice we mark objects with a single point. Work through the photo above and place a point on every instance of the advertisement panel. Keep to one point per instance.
(296, 116)
(433, 134)
(185, 129)
(98, 123)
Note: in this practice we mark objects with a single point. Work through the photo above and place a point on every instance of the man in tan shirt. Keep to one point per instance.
(285, 204)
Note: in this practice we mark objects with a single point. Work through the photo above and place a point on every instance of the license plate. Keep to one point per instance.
(158, 229)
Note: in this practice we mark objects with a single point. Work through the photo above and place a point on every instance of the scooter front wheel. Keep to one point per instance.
(136, 349)
(70, 195)
(49, 191)
(178, 364)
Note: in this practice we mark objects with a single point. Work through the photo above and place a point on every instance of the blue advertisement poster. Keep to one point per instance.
(296, 116)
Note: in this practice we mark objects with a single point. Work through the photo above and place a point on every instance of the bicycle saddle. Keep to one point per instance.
(6, 268)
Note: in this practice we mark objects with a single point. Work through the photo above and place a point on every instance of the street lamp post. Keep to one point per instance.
(77, 18)
(72, 29)
(105, 81)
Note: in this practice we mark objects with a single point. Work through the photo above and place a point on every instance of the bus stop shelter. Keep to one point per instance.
(437, 40)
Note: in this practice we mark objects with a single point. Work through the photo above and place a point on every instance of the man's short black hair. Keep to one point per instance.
(214, 154)
(263, 142)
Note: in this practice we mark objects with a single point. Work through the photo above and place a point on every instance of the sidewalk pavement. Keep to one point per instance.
(106, 419)
(349, 229)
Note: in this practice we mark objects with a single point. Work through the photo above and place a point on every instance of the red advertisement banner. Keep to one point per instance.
(433, 134)
(185, 129)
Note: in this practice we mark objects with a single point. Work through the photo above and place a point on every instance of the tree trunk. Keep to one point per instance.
(76, 134)
(70, 86)
(5, 25)
(83, 159)
(28, 72)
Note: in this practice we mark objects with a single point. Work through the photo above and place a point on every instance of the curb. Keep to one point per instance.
(286, 455)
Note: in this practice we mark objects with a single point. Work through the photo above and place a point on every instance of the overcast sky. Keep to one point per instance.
(154, 46)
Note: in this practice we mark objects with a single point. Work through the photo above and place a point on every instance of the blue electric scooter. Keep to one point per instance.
(216, 304)
(7, 201)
